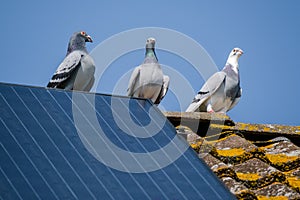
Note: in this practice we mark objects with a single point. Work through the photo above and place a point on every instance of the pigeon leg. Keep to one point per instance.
(209, 109)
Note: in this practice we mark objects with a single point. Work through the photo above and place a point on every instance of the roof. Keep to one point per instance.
(58, 144)
(255, 161)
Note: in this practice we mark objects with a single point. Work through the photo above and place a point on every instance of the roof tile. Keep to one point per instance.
(217, 166)
(293, 179)
(237, 188)
(284, 155)
(255, 173)
(255, 161)
(279, 190)
(233, 148)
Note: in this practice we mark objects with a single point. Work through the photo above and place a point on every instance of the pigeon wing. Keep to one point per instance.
(236, 99)
(133, 81)
(164, 89)
(65, 70)
(207, 90)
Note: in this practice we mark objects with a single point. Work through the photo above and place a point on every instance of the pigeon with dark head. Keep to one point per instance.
(222, 91)
(147, 80)
(76, 72)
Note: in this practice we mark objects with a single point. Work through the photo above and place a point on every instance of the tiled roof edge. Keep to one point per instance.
(255, 132)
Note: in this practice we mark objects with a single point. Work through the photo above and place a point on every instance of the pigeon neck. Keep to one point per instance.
(233, 62)
(150, 53)
(76, 44)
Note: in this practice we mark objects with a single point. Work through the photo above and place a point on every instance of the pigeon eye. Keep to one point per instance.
(82, 33)
(234, 50)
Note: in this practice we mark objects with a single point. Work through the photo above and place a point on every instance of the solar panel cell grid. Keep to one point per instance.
(43, 155)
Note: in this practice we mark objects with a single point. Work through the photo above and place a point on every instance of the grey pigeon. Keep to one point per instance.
(76, 72)
(221, 92)
(147, 80)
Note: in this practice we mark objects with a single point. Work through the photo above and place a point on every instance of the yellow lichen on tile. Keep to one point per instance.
(248, 176)
(270, 146)
(230, 152)
(220, 126)
(281, 158)
(266, 129)
(242, 126)
(272, 198)
(293, 182)
(243, 191)
(196, 146)
(248, 127)
(269, 128)
(200, 145)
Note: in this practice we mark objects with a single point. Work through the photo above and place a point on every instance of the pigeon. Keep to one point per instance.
(222, 91)
(76, 72)
(148, 80)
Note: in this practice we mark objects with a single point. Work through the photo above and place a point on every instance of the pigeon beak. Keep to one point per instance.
(241, 51)
(89, 39)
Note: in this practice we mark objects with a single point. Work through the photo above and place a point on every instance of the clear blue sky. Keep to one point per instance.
(35, 35)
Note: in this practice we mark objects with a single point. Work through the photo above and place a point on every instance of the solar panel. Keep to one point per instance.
(57, 144)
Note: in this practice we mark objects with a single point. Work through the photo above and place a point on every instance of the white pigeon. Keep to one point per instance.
(76, 72)
(147, 80)
(221, 92)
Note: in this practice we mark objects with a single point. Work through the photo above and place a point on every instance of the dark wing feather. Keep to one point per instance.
(65, 70)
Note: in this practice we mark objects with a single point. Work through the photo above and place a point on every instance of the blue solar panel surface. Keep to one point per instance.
(50, 149)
